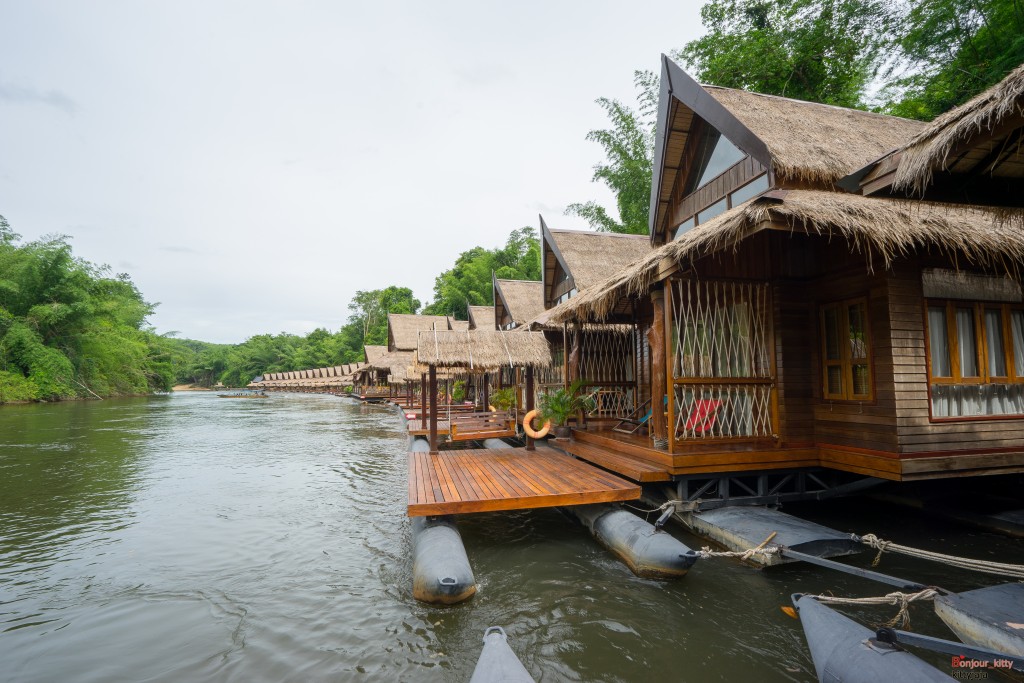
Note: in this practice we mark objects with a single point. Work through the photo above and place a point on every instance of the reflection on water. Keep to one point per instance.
(192, 538)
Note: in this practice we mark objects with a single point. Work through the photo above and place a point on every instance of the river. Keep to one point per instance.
(191, 538)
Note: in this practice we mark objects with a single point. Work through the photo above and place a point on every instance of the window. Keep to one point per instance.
(846, 351)
(749, 191)
(715, 154)
(975, 358)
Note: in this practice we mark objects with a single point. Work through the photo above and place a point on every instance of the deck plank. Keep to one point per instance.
(481, 480)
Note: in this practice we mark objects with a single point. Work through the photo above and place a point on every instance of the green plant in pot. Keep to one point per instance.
(561, 404)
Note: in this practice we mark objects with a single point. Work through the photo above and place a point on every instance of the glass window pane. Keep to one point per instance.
(861, 380)
(750, 190)
(719, 154)
(855, 315)
(938, 342)
(1017, 333)
(994, 338)
(834, 379)
(967, 342)
(715, 209)
(684, 227)
(832, 348)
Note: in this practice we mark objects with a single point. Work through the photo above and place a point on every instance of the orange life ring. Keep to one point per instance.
(528, 421)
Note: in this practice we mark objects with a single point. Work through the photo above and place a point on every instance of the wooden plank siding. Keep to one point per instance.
(917, 433)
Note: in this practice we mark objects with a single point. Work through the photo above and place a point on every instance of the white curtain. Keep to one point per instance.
(938, 343)
(966, 400)
(965, 339)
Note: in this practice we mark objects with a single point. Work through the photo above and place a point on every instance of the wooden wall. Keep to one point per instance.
(917, 433)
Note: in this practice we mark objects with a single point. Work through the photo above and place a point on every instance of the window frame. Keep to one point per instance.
(1013, 374)
(845, 360)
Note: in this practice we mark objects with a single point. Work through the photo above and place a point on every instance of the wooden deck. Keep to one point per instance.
(480, 480)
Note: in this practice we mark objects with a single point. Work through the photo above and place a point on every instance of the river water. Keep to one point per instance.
(190, 538)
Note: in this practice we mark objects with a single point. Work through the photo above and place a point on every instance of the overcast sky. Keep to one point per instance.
(252, 164)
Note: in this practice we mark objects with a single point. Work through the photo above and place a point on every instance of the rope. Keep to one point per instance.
(1000, 568)
(760, 549)
(501, 336)
(902, 600)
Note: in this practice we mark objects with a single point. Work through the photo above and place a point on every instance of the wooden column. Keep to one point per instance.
(433, 409)
(573, 373)
(529, 402)
(486, 391)
(423, 400)
(659, 374)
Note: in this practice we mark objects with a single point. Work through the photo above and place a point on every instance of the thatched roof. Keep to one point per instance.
(460, 325)
(395, 363)
(481, 317)
(483, 349)
(931, 148)
(813, 142)
(802, 143)
(523, 300)
(589, 257)
(372, 353)
(402, 328)
(889, 228)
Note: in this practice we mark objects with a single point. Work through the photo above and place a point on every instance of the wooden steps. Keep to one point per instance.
(620, 463)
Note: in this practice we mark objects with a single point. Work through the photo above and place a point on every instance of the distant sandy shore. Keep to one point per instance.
(189, 387)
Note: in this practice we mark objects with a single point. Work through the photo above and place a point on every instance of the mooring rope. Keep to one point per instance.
(760, 549)
(902, 600)
(986, 566)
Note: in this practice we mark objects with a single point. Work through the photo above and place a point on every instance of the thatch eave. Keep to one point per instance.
(888, 229)
(483, 350)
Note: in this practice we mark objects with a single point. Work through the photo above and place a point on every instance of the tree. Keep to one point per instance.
(824, 51)
(370, 311)
(70, 328)
(468, 282)
(629, 149)
(951, 50)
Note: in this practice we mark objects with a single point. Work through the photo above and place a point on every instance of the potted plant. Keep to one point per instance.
(561, 404)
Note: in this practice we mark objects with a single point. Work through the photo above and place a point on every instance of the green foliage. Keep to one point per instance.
(503, 399)
(629, 148)
(15, 387)
(458, 391)
(951, 50)
(369, 314)
(817, 50)
(68, 327)
(468, 282)
(561, 404)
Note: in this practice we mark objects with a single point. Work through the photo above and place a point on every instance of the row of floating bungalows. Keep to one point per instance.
(798, 302)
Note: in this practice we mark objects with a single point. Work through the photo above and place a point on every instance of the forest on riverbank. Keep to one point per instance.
(70, 328)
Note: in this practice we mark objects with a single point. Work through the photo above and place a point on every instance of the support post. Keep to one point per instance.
(433, 409)
(486, 392)
(529, 402)
(656, 341)
(423, 400)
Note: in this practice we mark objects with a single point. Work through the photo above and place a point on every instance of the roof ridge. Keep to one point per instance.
(708, 86)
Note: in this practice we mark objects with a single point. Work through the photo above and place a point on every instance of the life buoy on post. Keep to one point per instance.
(528, 425)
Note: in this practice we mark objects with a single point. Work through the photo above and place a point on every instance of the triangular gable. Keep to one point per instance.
(684, 104)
